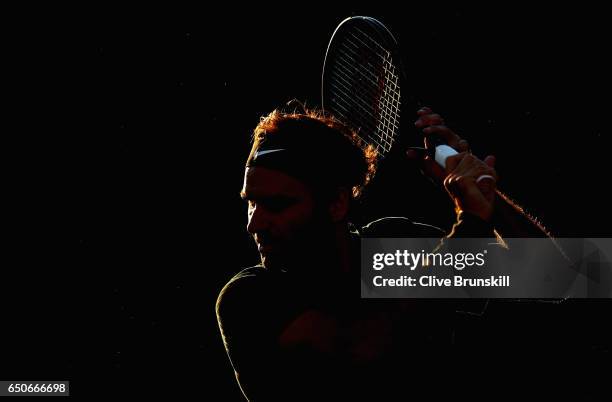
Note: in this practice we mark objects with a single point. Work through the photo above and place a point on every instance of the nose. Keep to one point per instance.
(258, 220)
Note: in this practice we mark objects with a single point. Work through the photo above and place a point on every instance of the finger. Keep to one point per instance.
(487, 181)
(448, 183)
(424, 110)
(463, 146)
(484, 177)
(432, 169)
(474, 167)
(452, 162)
(427, 165)
(429, 120)
(413, 155)
(457, 184)
(487, 185)
(461, 186)
(484, 173)
(471, 166)
(445, 133)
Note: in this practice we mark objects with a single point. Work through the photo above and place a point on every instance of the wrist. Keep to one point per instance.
(471, 225)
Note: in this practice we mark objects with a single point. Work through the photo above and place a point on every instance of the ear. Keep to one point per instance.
(339, 205)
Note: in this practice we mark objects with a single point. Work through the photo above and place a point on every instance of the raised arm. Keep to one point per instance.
(480, 206)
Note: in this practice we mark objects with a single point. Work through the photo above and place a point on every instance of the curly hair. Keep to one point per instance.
(330, 154)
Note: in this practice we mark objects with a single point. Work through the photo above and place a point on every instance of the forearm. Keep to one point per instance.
(470, 225)
(508, 220)
(511, 220)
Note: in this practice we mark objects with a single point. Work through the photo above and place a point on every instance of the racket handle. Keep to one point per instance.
(440, 150)
(443, 151)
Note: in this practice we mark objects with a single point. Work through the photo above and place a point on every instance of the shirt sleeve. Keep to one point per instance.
(241, 315)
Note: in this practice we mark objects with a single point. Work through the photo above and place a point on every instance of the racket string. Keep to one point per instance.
(387, 111)
(374, 140)
(345, 73)
(389, 107)
(391, 97)
(356, 58)
(355, 62)
(371, 40)
(365, 90)
(344, 87)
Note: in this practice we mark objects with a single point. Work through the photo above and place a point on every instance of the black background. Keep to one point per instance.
(156, 143)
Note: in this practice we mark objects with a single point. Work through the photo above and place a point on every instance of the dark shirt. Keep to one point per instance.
(290, 337)
(311, 336)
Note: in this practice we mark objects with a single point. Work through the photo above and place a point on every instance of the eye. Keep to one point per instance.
(278, 204)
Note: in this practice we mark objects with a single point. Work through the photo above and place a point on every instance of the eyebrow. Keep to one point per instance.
(276, 197)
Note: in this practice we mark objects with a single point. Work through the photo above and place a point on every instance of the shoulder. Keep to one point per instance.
(238, 290)
(396, 226)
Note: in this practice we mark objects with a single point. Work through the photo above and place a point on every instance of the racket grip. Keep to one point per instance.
(443, 151)
(440, 150)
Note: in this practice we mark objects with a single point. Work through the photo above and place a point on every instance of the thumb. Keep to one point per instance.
(490, 161)
(413, 155)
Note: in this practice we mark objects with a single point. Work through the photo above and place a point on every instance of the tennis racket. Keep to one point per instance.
(362, 77)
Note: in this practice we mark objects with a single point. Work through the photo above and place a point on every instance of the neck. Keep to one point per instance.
(332, 253)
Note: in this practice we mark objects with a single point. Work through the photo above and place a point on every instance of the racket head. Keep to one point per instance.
(361, 81)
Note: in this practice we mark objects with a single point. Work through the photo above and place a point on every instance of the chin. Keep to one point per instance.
(267, 261)
(271, 262)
